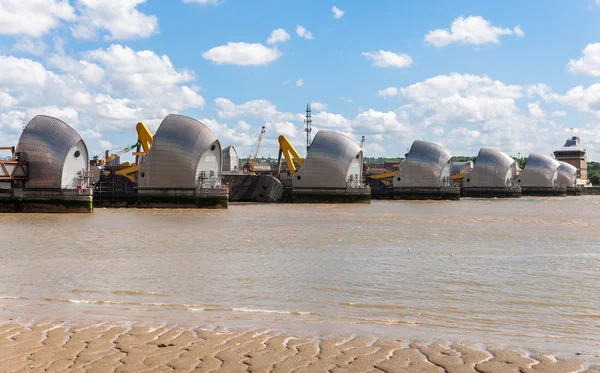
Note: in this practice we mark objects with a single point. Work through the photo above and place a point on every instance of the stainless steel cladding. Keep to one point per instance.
(493, 169)
(427, 165)
(462, 168)
(567, 175)
(333, 161)
(541, 171)
(58, 157)
(183, 151)
(231, 159)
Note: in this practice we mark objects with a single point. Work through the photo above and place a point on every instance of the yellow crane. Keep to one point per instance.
(126, 169)
(251, 164)
(291, 155)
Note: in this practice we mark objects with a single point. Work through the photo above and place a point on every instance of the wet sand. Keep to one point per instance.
(104, 347)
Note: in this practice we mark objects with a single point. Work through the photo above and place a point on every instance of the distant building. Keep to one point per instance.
(573, 154)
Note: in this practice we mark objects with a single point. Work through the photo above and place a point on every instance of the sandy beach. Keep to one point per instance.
(117, 348)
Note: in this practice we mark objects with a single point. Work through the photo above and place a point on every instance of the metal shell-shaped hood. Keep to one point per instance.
(427, 165)
(181, 149)
(462, 168)
(567, 174)
(230, 159)
(493, 169)
(57, 155)
(541, 171)
(333, 159)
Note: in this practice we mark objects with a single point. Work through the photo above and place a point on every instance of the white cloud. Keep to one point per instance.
(203, 2)
(119, 18)
(107, 90)
(7, 101)
(304, 33)
(518, 32)
(388, 92)
(331, 120)
(586, 100)
(242, 54)
(88, 72)
(589, 64)
(560, 113)
(458, 98)
(338, 13)
(34, 47)
(255, 109)
(278, 36)
(137, 71)
(540, 89)
(383, 58)
(535, 111)
(299, 82)
(377, 122)
(473, 30)
(318, 106)
(21, 72)
(67, 114)
(33, 17)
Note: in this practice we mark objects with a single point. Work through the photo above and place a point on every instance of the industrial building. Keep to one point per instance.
(425, 174)
(540, 177)
(492, 176)
(574, 154)
(53, 162)
(331, 172)
(567, 177)
(183, 167)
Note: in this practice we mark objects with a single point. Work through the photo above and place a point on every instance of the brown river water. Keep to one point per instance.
(519, 273)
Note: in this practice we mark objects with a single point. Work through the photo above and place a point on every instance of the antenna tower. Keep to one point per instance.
(308, 129)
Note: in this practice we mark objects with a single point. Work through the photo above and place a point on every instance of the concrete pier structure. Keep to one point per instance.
(425, 174)
(540, 177)
(492, 176)
(183, 167)
(332, 172)
(56, 161)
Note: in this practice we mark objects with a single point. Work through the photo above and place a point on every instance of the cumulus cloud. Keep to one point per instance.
(318, 106)
(383, 58)
(116, 19)
(535, 111)
(255, 109)
(33, 17)
(278, 36)
(304, 33)
(299, 82)
(243, 54)
(106, 90)
(589, 64)
(518, 32)
(388, 92)
(457, 98)
(473, 30)
(337, 12)
(585, 100)
(34, 47)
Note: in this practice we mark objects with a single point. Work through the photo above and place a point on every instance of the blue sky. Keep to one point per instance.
(512, 75)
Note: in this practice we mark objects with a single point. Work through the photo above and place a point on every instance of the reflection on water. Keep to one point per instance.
(509, 271)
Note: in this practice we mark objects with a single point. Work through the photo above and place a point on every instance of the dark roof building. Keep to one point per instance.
(574, 154)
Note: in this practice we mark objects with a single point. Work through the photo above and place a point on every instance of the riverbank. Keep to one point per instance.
(48, 347)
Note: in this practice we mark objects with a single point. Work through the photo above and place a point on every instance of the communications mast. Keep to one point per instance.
(308, 128)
